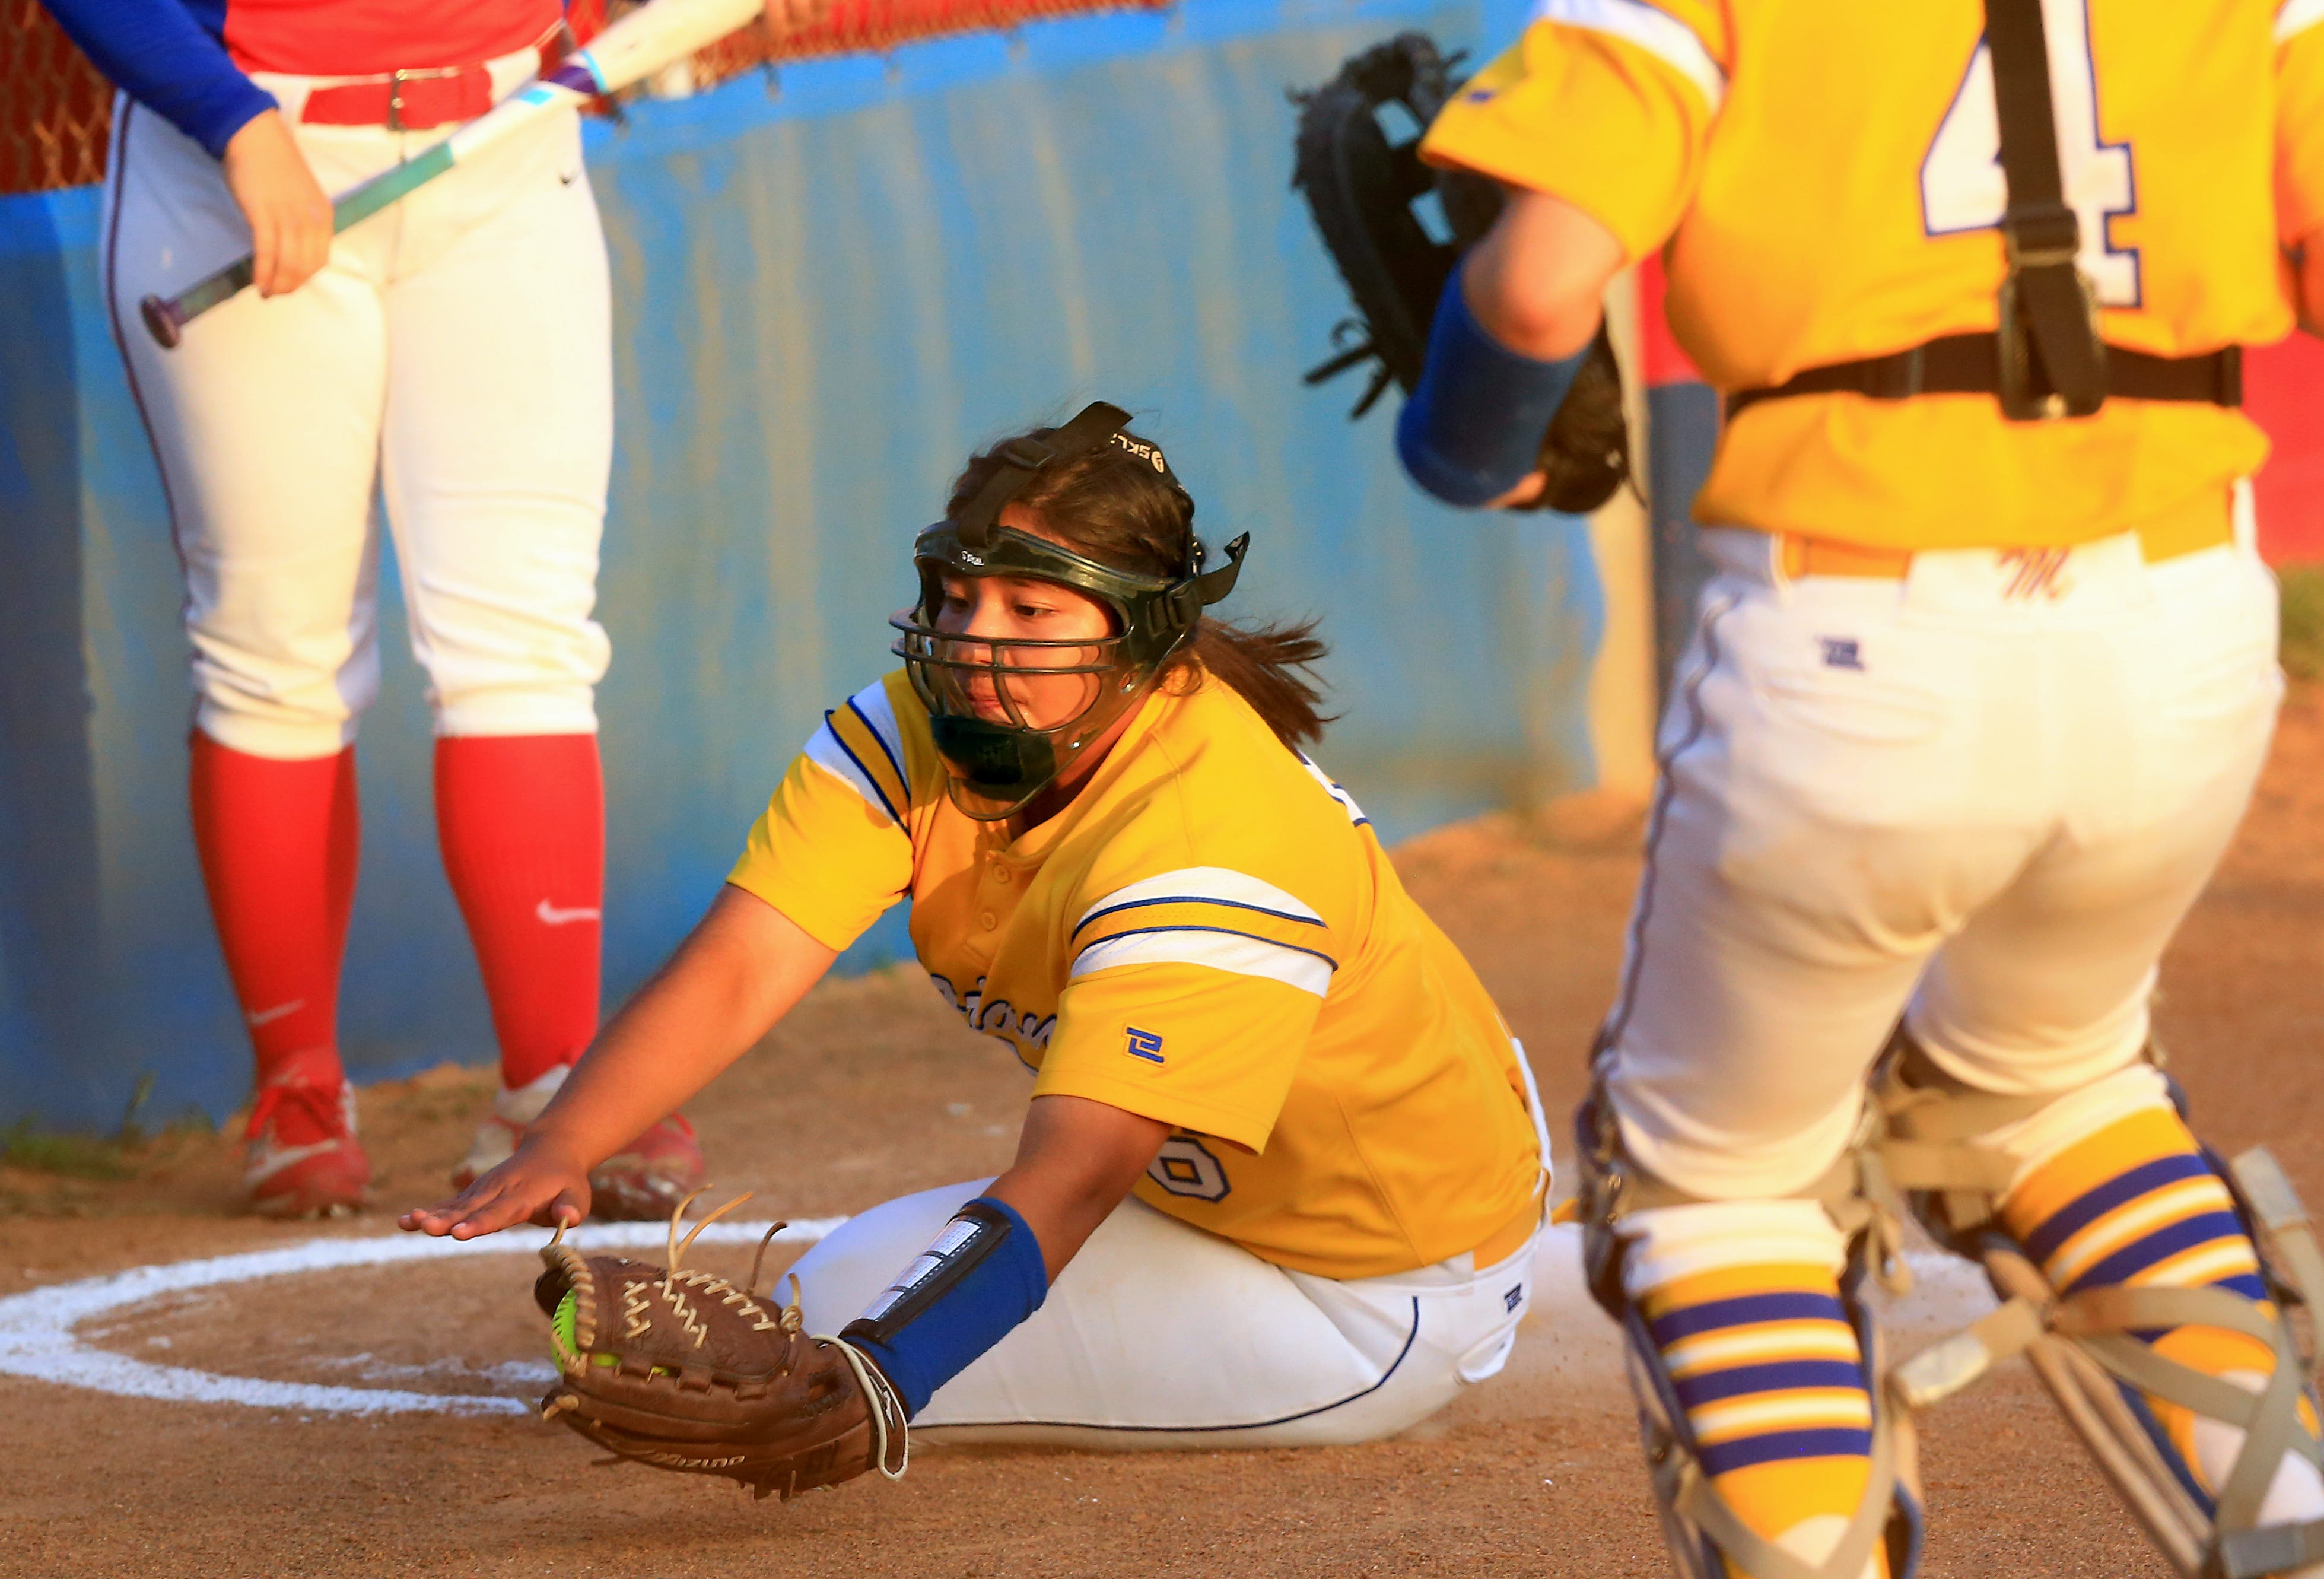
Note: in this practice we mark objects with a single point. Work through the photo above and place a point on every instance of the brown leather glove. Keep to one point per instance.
(685, 1372)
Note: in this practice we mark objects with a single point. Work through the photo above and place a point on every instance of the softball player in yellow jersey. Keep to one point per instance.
(1278, 1128)
(1976, 699)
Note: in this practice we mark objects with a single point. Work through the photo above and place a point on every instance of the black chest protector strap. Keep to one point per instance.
(1971, 365)
(2052, 363)
(2047, 360)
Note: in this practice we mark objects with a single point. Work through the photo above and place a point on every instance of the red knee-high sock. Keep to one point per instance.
(522, 819)
(278, 841)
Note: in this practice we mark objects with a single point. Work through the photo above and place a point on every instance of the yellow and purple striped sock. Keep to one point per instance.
(2125, 1197)
(1742, 1301)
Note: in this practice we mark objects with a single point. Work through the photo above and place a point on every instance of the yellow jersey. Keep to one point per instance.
(1823, 175)
(1209, 935)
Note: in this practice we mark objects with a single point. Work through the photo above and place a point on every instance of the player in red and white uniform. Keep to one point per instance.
(452, 354)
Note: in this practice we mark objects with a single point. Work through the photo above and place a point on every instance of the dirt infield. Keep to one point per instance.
(873, 1089)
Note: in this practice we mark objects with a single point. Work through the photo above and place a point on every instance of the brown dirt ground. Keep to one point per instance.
(873, 1088)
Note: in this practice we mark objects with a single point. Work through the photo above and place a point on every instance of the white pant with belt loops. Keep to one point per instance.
(455, 353)
(1159, 1336)
(1981, 797)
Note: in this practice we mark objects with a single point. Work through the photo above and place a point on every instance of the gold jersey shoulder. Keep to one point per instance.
(1823, 174)
(1210, 935)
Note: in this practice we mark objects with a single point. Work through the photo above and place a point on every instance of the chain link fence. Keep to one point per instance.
(54, 108)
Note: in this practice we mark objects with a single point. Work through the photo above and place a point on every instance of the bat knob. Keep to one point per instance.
(162, 322)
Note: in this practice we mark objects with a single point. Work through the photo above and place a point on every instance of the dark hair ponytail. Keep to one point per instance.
(1268, 667)
(1114, 507)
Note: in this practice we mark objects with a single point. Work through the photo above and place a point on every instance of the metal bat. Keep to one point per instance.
(643, 42)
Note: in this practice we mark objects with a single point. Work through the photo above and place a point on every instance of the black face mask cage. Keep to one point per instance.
(945, 669)
(998, 766)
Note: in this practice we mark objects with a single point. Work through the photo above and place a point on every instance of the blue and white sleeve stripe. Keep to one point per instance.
(1201, 885)
(1209, 916)
(860, 746)
(1236, 953)
(1332, 787)
(1658, 33)
(878, 715)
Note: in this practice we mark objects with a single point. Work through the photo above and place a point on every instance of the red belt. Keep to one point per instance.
(415, 100)
(403, 101)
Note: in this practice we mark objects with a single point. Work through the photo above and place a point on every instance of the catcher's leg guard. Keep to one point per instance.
(1776, 1449)
(2160, 1331)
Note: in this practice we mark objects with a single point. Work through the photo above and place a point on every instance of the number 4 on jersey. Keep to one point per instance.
(1961, 183)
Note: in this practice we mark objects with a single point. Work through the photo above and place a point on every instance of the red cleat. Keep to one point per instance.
(646, 1179)
(301, 1157)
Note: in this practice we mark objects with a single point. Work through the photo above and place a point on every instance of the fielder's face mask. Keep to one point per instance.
(998, 764)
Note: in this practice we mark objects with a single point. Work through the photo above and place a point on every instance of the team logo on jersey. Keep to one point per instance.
(2035, 573)
(1027, 1032)
(1143, 1044)
(1841, 652)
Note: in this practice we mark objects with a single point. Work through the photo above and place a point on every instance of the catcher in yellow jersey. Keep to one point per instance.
(1282, 1172)
(1975, 700)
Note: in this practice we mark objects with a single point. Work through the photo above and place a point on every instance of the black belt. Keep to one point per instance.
(1971, 365)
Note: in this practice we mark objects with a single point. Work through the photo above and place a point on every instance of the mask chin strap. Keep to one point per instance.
(1093, 426)
(1186, 601)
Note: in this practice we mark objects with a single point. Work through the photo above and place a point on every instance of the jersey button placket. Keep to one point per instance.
(998, 876)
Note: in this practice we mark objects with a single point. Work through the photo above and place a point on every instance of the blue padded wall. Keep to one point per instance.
(825, 295)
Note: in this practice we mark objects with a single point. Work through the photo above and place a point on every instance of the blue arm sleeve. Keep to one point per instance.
(1472, 427)
(975, 1284)
(158, 54)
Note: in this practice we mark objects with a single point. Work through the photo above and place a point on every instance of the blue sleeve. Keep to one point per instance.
(1473, 429)
(159, 54)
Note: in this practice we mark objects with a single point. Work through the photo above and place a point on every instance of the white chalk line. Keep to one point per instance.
(39, 1340)
(39, 1336)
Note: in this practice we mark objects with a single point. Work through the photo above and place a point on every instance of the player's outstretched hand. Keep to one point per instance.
(535, 1185)
(289, 217)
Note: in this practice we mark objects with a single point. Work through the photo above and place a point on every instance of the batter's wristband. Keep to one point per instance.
(1473, 429)
(981, 1278)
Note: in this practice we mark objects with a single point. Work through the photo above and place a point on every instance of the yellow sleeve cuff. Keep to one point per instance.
(824, 856)
(1201, 1047)
(1595, 120)
(1238, 1127)
(824, 924)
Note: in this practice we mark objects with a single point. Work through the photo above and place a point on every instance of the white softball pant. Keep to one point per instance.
(454, 354)
(1982, 797)
(1159, 1336)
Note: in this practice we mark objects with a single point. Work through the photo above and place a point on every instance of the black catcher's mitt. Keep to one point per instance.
(1362, 188)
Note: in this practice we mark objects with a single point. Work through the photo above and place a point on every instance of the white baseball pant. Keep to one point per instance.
(454, 354)
(1159, 1336)
(1982, 797)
